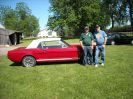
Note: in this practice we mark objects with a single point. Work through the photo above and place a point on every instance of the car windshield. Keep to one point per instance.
(53, 44)
(110, 35)
(123, 35)
(65, 43)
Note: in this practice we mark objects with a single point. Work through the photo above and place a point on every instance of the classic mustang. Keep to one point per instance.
(46, 50)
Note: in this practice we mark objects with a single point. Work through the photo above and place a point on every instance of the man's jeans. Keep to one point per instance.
(88, 53)
(99, 50)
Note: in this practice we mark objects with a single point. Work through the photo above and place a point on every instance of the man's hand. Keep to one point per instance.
(103, 45)
(92, 47)
(82, 47)
(81, 44)
(105, 40)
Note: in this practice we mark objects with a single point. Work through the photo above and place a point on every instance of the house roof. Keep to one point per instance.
(7, 32)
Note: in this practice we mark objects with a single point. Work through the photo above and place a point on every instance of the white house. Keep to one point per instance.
(47, 33)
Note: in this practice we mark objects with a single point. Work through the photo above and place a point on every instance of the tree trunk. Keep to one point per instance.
(131, 12)
(112, 18)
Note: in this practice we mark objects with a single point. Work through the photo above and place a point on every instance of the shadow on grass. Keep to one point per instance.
(125, 44)
(16, 64)
(56, 63)
(48, 63)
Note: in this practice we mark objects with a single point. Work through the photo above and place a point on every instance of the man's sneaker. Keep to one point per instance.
(96, 65)
(102, 64)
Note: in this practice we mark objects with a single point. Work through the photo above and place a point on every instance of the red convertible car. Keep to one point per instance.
(45, 50)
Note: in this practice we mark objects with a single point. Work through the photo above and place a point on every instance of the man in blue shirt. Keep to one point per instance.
(101, 38)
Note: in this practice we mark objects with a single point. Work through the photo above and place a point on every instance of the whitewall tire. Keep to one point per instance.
(29, 61)
(112, 42)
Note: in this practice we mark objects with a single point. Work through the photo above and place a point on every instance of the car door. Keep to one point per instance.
(117, 39)
(51, 50)
(57, 51)
(124, 39)
(69, 52)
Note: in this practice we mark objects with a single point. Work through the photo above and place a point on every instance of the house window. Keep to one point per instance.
(50, 33)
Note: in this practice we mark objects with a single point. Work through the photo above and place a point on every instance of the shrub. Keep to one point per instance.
(126, 28)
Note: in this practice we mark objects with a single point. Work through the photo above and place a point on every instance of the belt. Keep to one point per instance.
(87, 45)
(99, 44)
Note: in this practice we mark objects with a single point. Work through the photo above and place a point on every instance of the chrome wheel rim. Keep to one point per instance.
(113, 43)
(28, 61)
(132, 42)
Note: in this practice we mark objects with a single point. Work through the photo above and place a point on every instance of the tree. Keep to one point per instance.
(118, 11)
(32, 26)
(8, 17)
(130, 2)
(73, 15)
(22, 10)
(19, 19)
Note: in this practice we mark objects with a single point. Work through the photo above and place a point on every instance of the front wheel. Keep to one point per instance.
(29, 61)
(132, 42)
(112, 42)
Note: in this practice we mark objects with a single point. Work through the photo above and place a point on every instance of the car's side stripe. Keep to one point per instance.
(58, 59)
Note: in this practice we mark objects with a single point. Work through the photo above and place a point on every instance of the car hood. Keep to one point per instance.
(77, 46)
(131, 37)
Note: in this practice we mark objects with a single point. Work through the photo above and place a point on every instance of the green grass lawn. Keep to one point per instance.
(70, 80)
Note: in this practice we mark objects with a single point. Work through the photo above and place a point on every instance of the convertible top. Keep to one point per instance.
(36, 42)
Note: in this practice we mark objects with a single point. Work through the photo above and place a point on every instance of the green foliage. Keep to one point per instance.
(7, 14)
(10, 19)
(22, 10)
(126, 28)
(118, 10)
(19, 19)
(73, 15)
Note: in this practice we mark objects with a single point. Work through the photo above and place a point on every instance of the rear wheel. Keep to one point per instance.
(29, 61)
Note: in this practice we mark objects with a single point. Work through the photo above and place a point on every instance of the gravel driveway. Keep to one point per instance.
(5, 49)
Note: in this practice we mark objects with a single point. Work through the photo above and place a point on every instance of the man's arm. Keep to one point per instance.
(105, 40)
(92, 44)
(81, 44)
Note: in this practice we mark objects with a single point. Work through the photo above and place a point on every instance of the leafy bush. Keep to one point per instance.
(126, 28)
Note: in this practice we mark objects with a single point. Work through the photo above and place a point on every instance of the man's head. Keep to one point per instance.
(97, 28)
(86, 29)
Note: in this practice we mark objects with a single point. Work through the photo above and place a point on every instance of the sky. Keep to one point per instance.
(39, 9)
